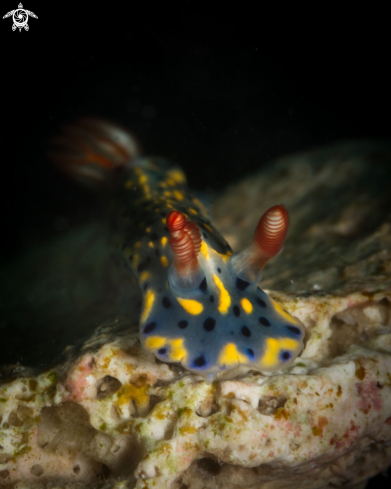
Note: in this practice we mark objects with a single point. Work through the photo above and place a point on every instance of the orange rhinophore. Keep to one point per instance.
(268, 239)
(270, 233)
(185, 241)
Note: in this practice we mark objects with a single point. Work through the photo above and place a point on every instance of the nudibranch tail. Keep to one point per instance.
(202, 306)
(91, 149)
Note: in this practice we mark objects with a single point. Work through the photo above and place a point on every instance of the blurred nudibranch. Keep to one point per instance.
(202, 306)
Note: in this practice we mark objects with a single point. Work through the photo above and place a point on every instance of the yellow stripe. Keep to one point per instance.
(148, 303)
(135, 260)
(284, 314)
(208, 228)
(204, 250)
(224, 298)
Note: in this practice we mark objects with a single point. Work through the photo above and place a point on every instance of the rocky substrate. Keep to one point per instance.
(109, 415)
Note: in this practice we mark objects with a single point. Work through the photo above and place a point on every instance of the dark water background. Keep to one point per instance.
(221, 92)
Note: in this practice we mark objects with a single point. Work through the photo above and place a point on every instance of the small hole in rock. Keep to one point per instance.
(133, 409)
(36, 470)
(209, 465)
(4, 474)
(268, 405)
(107, 386)
(153, 400)
(105, 474)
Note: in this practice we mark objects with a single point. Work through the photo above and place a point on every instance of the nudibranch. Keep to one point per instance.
(202, 307)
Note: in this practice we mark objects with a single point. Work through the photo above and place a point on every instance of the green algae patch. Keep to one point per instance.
(52, 376)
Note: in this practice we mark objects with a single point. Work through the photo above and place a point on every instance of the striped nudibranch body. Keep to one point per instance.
(202, 306)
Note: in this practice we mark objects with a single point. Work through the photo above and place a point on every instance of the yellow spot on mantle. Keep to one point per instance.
(142, 179)
(155, 342)
(148, 303)
(178, 352)
(178, 195)
(224, 298)
(176, 175)
(247, 306)
(150, 244)
(129, 184)
(144, 276)
(273, 348)
(164, 261)
(191, 306)
(230, 355)
(163, 241)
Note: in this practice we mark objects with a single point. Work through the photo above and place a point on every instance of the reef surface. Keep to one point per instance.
(107, 414)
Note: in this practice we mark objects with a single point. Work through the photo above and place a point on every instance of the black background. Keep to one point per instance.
(222, 91)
